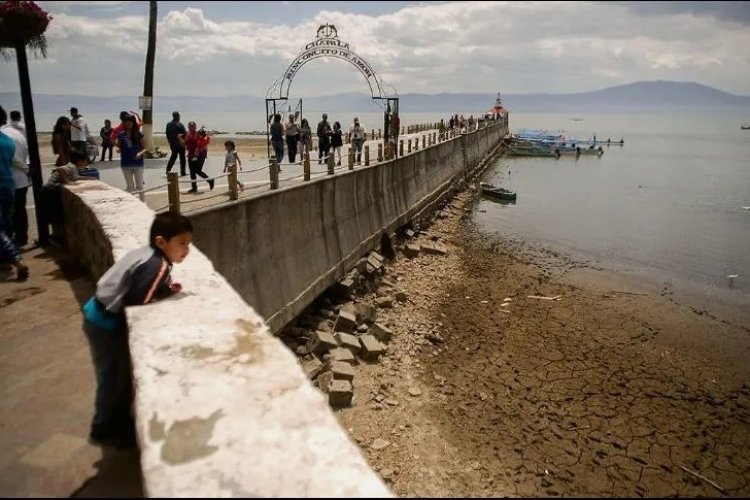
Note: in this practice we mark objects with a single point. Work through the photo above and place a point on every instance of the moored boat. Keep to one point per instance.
(497, 192)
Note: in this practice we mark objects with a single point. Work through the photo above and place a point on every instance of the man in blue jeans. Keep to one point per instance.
(8, 250)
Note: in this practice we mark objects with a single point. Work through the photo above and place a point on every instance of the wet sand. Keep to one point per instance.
(613, 390)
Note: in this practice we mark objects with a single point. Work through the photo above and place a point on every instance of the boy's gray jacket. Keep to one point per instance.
(141, 276)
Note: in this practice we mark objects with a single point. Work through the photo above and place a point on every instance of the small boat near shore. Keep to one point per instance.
(744, 127)
(497, 192)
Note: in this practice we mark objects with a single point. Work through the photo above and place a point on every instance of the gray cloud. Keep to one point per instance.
(513, 47)
(738, 12)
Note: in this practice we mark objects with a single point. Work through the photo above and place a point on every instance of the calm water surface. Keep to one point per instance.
(668, 206)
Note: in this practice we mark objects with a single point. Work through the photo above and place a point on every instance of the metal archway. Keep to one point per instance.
(328, 44)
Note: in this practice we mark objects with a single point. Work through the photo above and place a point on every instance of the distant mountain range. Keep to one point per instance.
(634, 97)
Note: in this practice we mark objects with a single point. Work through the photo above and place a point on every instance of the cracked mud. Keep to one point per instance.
(599, 393)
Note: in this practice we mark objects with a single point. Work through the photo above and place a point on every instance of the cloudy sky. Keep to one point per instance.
(239, 48)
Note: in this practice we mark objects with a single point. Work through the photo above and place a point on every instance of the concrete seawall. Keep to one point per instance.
(282, 249)
(223, 409)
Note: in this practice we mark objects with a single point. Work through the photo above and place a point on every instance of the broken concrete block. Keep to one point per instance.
(321, 342)
(374, 262)
(409, 233)
(312, 368)
(384, 302)
(342, 371)
(401, 296)
(345, 322)
(362, 266)
(434, 248)
(362, 328)
(342, 354)
(324, 381)
(377, 256)
(340, 393)
(367, 312)
(371, 348)
(348, 341)
(381, 332)
(412, 250)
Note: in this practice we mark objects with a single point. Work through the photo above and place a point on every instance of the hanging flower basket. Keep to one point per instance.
(21, 21)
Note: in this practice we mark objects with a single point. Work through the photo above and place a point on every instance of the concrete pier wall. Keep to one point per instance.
(284, 248)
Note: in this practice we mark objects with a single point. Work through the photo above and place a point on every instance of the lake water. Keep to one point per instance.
(668, 206)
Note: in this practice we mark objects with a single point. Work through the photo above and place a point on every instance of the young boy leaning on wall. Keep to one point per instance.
(140, 277)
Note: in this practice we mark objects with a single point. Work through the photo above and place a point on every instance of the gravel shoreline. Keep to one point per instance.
(606, 391)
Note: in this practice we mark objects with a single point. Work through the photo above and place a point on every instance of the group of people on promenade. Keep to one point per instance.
(298, 138)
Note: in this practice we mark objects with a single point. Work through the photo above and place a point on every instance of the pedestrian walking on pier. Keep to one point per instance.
(176, 138)
(337, 142)
(196, 143)
(357, 135)
(131, 147)
(232, 161)
(324, 138)
(20, 224)
(292, 139)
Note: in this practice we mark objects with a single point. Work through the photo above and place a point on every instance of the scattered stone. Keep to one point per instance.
(434, 248)
(415, 391)
(411, 250)
(348, 341)
(312, 368)
(342, 354)
(362, 328)
(409, 233)
(380, 444)
(362, 266)
(371, 348)
(381, 332)
(391, 402)
(367, 312)
(345, 322)
(401, 296)
(386, 473)
(342, 371)
(326, 313)
(377, 256)
(325, 326)
(324, 381)
(302, 351)
(384, 302)
(343, 288)
(321, 342)
(340, 393)
(294, 331)
(374, 263)
(434, 338)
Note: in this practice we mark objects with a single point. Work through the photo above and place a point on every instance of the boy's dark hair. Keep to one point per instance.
(123, 114)
(168, 225)
(15, 116)
(74, 110)
(76, 156)
(230, 143)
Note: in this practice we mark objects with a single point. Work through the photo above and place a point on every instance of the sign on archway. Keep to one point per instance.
(328, 44)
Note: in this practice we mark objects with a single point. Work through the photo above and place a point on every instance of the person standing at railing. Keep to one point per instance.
(61, 141)
(337, 142)
(196, 142)
(324, 138)
(357, 135)
(292, 138)
(131, 148)
(106, 134)
(305, 137)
